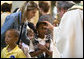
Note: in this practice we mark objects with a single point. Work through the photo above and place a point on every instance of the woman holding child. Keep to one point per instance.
(19, 20)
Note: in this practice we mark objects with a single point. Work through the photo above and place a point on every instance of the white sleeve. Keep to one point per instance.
(31, 47)
(25, 46)
(55, 52)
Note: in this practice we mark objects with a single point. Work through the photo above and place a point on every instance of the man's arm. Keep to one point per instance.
(50, 26)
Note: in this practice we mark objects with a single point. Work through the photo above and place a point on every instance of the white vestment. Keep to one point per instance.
(69, 34)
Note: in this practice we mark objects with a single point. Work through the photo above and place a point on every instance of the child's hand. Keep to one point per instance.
(42, 47)
(47, 45)
(20, 45)
(25, 50)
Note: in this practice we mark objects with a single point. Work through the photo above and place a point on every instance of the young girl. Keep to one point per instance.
(28, 48)
(41, 44)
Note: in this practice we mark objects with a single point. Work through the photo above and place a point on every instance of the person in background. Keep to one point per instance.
(54, 10)
(44, 8)
(12, 50)
(56, 23)
(6, 10)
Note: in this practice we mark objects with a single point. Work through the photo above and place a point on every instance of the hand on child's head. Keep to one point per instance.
(49, 25)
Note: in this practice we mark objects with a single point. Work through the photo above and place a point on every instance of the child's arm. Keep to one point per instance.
(38, 52)
(25, 50)
(48, 52)
(45, 49)
(35, 53)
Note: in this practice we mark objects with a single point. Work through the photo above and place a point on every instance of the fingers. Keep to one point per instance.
(46, 21)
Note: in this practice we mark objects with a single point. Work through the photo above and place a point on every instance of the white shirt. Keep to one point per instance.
(53, 48)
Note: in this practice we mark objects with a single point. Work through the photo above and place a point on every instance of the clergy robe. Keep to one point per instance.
(69, 34)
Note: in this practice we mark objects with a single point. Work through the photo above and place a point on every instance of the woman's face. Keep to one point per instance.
(31, 14)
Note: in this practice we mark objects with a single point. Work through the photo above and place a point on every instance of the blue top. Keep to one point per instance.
(12, 21)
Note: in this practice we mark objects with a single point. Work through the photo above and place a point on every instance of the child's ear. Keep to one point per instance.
(17, 39)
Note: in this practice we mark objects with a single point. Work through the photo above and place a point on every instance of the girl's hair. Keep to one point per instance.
(40, 23)
(28, 6)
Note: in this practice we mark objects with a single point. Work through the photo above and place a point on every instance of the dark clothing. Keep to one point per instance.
(46, 17)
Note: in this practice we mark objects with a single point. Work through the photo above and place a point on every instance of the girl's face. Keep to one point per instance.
(31, 36)
(31, 14)
(41, 30)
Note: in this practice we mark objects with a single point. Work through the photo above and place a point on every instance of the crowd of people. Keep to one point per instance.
(49, 38)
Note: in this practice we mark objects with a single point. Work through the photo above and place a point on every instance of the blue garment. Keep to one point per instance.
(12, 22)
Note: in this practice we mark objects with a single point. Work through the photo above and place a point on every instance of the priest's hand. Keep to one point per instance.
(49, 26)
